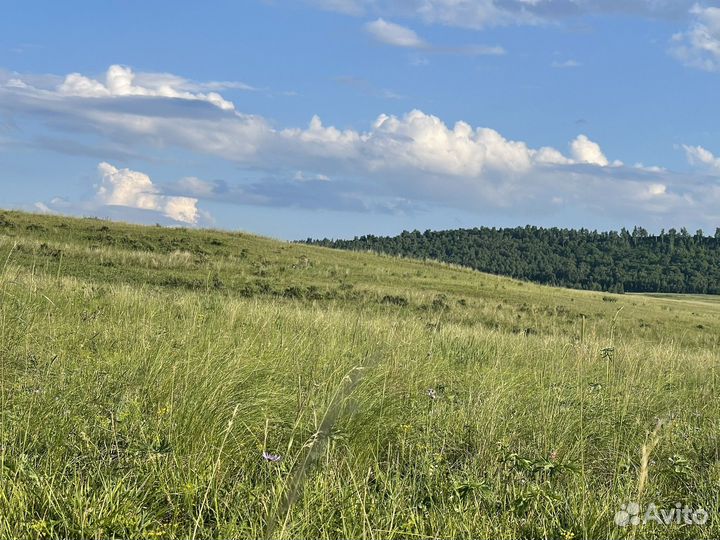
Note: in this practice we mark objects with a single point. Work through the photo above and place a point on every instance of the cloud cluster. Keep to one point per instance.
(122, 81)
(132, 189)
(699, 46)
(398, 163)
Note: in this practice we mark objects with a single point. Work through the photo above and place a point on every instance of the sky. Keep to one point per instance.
(336, 118)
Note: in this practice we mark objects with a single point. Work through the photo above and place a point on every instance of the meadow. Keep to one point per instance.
(172, 383)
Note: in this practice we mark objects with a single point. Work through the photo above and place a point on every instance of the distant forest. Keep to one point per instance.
(672, 261)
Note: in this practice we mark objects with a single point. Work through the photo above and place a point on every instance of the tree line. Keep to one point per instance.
(672, 261)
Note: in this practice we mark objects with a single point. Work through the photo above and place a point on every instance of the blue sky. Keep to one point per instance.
(331, 118)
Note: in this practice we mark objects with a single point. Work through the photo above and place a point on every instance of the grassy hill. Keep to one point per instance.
(145, 370)
(614, 261)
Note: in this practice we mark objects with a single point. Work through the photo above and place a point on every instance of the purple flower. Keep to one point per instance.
(273, 458)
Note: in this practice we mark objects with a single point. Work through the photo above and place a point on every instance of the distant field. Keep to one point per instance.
(145, 370)
(704, 298)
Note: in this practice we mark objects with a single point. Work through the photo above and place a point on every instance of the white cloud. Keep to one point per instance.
(699, 46)
(586, 151)
(699, 156)
(301, 176)
(122, 81)
(423, 142)
(657, 189)
(415, 142)
(415, 157)
(401, 36)
(394, 34)
(132, 189)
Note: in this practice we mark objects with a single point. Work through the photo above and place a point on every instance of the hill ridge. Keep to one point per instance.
(623, 261)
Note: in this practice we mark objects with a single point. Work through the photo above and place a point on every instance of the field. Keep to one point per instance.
(145, 370)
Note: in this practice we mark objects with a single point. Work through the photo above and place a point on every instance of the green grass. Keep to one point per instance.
(145, 370)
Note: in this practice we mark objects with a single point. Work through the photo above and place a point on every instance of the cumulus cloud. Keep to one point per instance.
(122, 81)
(133, 189)
(398, 162)
(699, 46)
(424, 142)
(586, 151)
(416, 141)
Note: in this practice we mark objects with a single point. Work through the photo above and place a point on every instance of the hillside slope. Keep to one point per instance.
(239, 264)
(670, 262)
(145, 371)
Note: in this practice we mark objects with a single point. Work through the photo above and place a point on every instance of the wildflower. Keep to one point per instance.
(553, 455)
(431, 393)
(273, 458)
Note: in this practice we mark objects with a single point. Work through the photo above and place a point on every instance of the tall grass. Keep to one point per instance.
(143, 412)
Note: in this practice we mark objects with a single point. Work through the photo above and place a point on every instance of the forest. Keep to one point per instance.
(670, 262)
